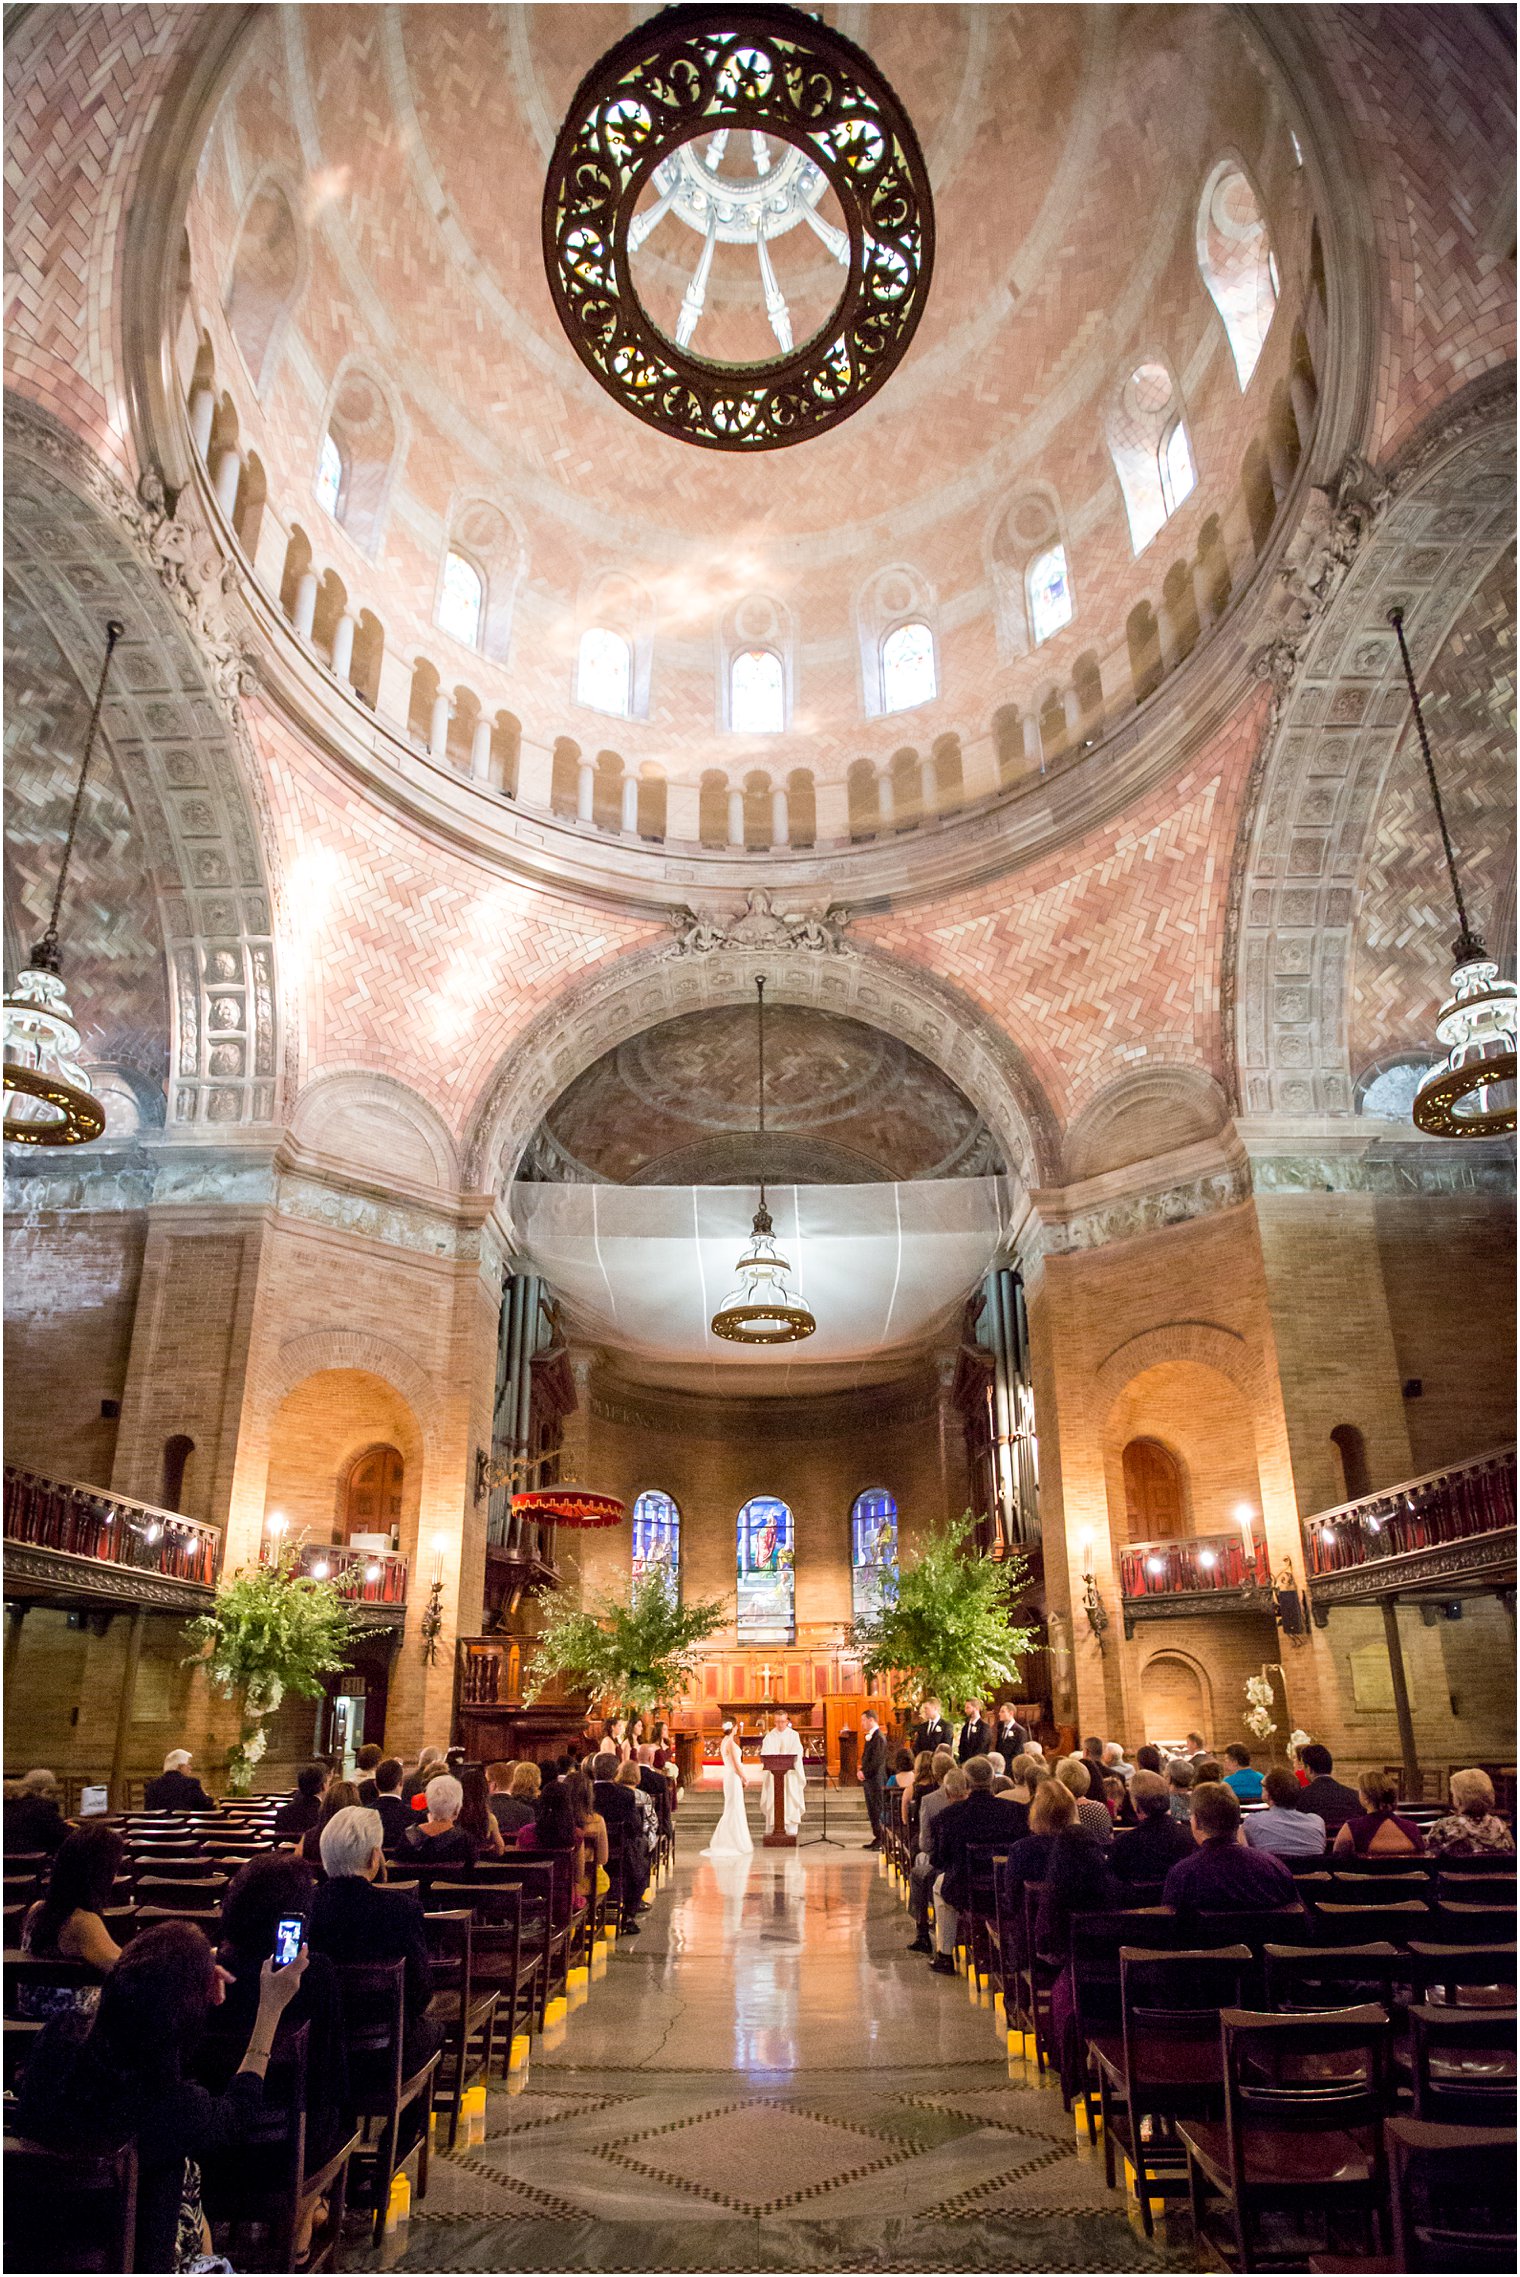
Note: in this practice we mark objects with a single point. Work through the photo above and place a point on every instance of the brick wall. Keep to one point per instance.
(1448, 1265)
(70, 1295)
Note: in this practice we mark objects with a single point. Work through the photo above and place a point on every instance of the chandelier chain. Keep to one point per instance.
(45, 954)
(1469, 943)
(760, 1027)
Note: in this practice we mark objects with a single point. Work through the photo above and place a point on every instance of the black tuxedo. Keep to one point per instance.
(1012, 1739)
(931, 1736)
(176, 1791)
(657, 1787)
(873, 1773)
(625, 1821)
(973, 1739)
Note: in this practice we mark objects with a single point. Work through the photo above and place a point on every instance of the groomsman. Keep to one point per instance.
(1012, 1736)
(975, 1734)
(873, 1772)
(932, 1730)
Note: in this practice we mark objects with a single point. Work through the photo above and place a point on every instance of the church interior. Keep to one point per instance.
(760, 826)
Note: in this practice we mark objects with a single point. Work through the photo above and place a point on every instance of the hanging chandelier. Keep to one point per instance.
(1471, 1093)
(762, 1307)
(48, 1100)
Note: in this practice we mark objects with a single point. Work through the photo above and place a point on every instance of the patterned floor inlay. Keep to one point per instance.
(459, 2190)
(737, 2157)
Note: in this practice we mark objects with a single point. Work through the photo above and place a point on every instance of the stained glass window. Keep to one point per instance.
(461, 601)
(657, 1538)
(1049, 590)
(767, 1578)
(873, 1550)
(604, 679)
(1176, 467)
(756, 693)
(330, 476)
(907, 668)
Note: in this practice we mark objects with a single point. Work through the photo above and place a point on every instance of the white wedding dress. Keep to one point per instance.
(733, 1838)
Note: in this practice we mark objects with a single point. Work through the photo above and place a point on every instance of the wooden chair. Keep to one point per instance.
(1095, 1943)
(545, 1920)
(1173, 2067)
(1496, 1865)
(1305, 2101)
(207, 1918)
(977, 1915)
(21, 2036)
(172, 1889)
(1453, 2193)
(259, 2196)
(65, 2211)
(1464, 1924)
(1305, 1979)
(1462, 2065)
(501, 1962)
(1398, 1921)
(382, 2094)
(1465, 1976)
(189, 1869)
(1353, 1886)
(1038, 1973)
(465, 2007)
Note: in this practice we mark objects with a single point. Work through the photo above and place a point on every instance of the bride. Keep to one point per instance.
(732, 1839)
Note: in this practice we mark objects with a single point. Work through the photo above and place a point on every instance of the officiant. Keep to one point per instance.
(781, 1741)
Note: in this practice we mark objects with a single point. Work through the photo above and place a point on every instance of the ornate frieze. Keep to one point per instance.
(1132, 1215)
(1480, 1560)
(54, 1574)
(759, 925)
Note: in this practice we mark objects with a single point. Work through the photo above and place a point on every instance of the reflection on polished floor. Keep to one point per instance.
(766, 2080)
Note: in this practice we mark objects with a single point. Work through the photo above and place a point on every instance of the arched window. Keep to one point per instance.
(1048, 591)
(1153, 1492)
(371, 1502)
(767, 1579)
(266, 270)
(604, 673)
(756, 693)
(177, 1453)
(657, 1538)
(907, 668)
(1149, 447)
(1351, 1450)
(462, 599)
(1236, 263)
(873, 1551)
(329, 482)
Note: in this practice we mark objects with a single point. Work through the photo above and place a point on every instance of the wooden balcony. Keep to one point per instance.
(1205, 1573)
(490, 1719)
(1447, 1534)
(372, 1584)
(82, 1547)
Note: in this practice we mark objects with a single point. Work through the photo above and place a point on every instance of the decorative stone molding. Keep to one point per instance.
(85, 549)
(654, 985)
(90, 1581)
(1402, 1173)
(399, 1224)
(1437, 522)
(1138, 1214)
(759, 926)
(1205, 1342)
(319, 1349)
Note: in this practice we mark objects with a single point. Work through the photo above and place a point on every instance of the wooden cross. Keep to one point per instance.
(765, 1677)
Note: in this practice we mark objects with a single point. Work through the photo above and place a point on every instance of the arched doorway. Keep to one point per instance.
(370, 1502)
(1176, 1697)
(1154, 1497)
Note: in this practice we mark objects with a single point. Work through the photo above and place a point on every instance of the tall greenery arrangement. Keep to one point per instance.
(272, 1630)
(637, 1647)
(947, 1633)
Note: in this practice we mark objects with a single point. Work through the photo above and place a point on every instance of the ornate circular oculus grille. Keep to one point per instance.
(743, 125)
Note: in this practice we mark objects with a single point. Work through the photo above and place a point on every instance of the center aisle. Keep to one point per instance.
(766, 2079)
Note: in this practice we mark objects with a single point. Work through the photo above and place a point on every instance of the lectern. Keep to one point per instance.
(778, 1766)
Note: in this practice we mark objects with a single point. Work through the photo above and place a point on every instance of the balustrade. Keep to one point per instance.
(1419, 1514)
(362, 1577)
(110, 1529)
(1188, 1568)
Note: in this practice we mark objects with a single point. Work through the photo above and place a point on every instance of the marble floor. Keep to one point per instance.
(765, 2079)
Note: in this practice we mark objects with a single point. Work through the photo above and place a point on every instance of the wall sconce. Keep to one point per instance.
(432, 1615)
(1092, 1602)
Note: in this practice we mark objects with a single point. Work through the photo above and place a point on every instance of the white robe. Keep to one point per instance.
(783, 1743)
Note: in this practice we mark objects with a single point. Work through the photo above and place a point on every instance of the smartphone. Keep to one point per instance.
(287, 1939)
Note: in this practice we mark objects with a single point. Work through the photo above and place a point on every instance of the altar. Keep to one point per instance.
(751, 1719)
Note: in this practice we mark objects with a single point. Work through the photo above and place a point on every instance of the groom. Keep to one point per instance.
(780, 1742)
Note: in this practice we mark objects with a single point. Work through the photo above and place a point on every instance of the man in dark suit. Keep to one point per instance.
(656, 1786)
(34, 1821)
(931, 1731)
(1334, 1802)
(174, 1789)
(1012, 1736)
(625, 1826)
(975, 1736)
(1158, 1841)
(366, 1764)
(979, 1818)
(395, 1818)
(353, 1921)
(873, 1772)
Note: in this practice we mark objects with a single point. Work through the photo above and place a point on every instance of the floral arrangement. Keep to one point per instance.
(1259, 1708)
(272, 1630)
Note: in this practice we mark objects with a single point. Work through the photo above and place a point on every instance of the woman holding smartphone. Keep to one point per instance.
(264, 1911)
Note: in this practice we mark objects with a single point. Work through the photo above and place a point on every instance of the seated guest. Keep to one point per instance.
(654, 1785)
(1159, 1840)
(951, 1788)
(940, 1762)
(1472, 1831)
(1078, 1879)
(66, 1925)
(1024, 1776)
(900, 1772)
(1222, 1875)
(591, 1826)
(1148, 1758)
(1074, 1774)
(976, 1818)
(33, 1820)
(1092, 1756)
(394, 1815)
(1285, 1827)
(174, 1789)
(259, 1897)
(920, 1781)
(1328, 1798)
(476, 1818)
(366, 1763)
(304, 1808)
(1001, 1783)
(1116, 1800)
(340, 1795)
(1054, 1808)
(439, 1840)
(1243, 1782)
(512, 1806)
(1179, 1786)
(1114, 1763)
(124, 2077)
(1208, 1773)
(414, 1786)
(649, 1817)
(1377, 1831)
(352, 1921)
(554, 1831)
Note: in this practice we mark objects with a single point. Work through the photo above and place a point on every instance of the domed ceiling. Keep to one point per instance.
(845, 1105)
(1068, 150)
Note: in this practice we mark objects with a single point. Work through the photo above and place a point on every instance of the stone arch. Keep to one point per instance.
(318, 1351)
(1200, 1690)
(266, 274)
(377, 1123)
(1204, 1342)
(640, 991)
(85, 551)
(1340, 716)
(1148, 1112)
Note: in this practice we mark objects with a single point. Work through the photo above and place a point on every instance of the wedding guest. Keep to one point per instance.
(476, 1818)
(975, 1818)
(1473, 1830)
(590, 1826)
(656, 1787)
(414, 1786)
(174, 1789)
(33, 1820)
(649, 1818)
(1074, 1774)
(951, 1788)
(1114, 1764)
(440, 1840)
(1148, 1758)
(1159, 1840)
(304, 1808)
(1053, 1808)
(1078, 1879)
(517, 1808)
(366, 1763)
(1208, 1773)
(616, 1802)
(339, 1795)
(259, 1897)
(1331, 1799)
(1001, 1783)
(554, 1830)
(66, 1924)
(1222, 1876)
(1180, 1782)
(1377, 1831)
(351, 1920)
(1285, 1827)
(1092, 1756)
(1243, 1780)
(394, 1815)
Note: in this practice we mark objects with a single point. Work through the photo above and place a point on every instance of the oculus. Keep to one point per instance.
(738, 128)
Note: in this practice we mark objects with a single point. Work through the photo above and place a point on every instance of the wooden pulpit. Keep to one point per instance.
(777, 1767)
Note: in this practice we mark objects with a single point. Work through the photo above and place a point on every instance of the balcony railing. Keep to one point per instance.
(1418, 1516)
(361, 1577)
(1202, 1564)
(109, 1529)
(489, 1672)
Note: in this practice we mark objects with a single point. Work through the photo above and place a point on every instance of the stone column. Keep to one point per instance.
(781, 819)
(885, 807)
(631, 805)
(480, 751)
(202, 419)
(124, 1709)
(585, 791)
(343, 647)
(736, 818)
(306, 604)
(438, 727)
(225, 476)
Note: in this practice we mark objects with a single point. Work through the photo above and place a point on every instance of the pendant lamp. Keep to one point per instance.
(762, 1307)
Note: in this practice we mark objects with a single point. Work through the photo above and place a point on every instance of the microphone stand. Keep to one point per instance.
(808, 1842)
